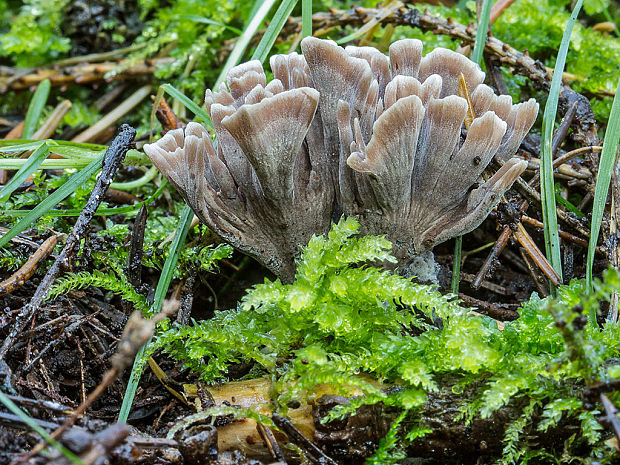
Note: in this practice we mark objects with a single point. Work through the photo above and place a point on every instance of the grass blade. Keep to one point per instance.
(456, 265)
(160, 294)
(48, 164)
(10, 405)
(58, 196)
(193, 107)
(547, 190)
(36, 108)
(175, 249)
(481, 32)
(76, 155)
(605, 168)
(272, 32)
(15, 146)
(306, 18)
(68, 149)
(244, 39)
(101, 211)
(19, 145)
(205, 20)
(32, 163)
(141, 181)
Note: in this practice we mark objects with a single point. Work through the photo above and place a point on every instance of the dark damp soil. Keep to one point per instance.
(64, 352)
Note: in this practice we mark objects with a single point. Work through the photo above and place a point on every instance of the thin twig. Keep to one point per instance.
(53, 120)
(40, 404)
(496, 311)
(497, 249)
(311, 450)
(611, 416)
(21, 276)
(573, 153)
(270, 441)
(82, 74)
(108, 120)
(530, 193)
(563, 234)
(562, 130)
(16, 422)
(539, 258)
(564, 171)
(69, 330)
(134, 265)
(496, 288)
(535, 274)
(20, 239)
(614, 249)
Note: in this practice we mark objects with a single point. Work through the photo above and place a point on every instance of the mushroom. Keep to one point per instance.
(259, 190)
(423, 181)
(346, 131)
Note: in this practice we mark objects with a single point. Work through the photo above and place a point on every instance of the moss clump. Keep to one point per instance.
(340, 318)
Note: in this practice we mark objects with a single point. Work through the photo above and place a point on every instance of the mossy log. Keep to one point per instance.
(352, 439)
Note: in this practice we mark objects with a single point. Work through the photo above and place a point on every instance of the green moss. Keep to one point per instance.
(341, 317)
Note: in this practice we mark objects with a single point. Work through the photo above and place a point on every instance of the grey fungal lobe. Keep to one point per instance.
(346, 131)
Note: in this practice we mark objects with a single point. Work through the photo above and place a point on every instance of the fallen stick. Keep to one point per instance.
(19, 278)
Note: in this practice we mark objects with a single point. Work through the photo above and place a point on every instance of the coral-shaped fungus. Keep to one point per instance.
(347, 131)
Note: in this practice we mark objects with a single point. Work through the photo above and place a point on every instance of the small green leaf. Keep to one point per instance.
(205, 20)
(481, 32)
(306, 18)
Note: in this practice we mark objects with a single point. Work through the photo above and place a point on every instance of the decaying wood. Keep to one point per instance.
(611, 417)
(167, 118)
(528, 243)
(310, 450)
(82, 74)
(498, 247)
(355, 437)
(53, 121)
(136, 250)
(498, 312)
